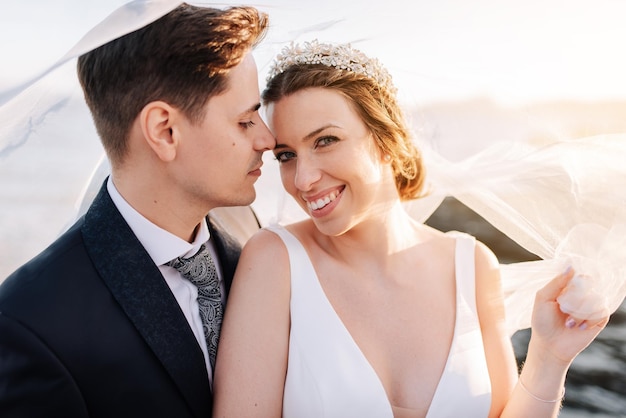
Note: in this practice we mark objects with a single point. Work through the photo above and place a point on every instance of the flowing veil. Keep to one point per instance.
(562, 199)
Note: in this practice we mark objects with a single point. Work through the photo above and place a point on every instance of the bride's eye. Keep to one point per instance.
(284, 156)
(325, 141)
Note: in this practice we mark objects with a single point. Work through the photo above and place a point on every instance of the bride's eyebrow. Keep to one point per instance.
(308, 136)
(317, 131)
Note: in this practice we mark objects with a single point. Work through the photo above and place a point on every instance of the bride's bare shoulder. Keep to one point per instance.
(435, 236)
(264, 245)
(484, 257)
(267, 244)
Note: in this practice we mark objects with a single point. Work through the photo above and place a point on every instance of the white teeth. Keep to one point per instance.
(320, 203)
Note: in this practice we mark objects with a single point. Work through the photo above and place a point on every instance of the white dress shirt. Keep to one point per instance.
(163, 246)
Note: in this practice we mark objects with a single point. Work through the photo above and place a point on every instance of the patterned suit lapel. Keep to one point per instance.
(140, 289)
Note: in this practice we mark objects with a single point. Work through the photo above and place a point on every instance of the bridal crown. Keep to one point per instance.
(341, 56)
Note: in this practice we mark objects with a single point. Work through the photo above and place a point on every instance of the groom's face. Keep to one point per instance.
(223, 152)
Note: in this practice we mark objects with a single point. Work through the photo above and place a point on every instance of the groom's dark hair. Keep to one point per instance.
(182, 58)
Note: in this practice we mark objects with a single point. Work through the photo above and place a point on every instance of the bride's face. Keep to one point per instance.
(328, 160)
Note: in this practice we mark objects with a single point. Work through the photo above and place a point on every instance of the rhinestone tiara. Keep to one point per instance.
(341, 56)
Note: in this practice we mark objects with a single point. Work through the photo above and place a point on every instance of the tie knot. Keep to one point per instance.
(198, 269)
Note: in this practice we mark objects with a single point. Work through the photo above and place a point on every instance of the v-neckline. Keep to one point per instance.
(339, 322)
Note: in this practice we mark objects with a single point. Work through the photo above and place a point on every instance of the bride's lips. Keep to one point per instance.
(322, 203)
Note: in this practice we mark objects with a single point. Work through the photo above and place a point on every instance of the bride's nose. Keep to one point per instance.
(307, 174)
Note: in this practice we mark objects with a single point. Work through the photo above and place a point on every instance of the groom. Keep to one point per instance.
(101, 323)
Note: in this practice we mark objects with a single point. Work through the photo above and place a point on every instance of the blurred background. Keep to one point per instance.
(468, 74)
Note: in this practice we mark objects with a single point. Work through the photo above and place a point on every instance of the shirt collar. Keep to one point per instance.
(161, 245)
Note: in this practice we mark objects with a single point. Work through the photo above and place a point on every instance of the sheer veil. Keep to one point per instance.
(562, 199)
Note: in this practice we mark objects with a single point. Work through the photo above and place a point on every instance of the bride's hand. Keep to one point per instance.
(557, 334)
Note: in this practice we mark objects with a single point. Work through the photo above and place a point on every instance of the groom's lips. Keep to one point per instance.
(256, 171)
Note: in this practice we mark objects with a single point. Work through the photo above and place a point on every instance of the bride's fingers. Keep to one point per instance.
(550, 293)
(583, 324)
(572, 323)
(555, 286)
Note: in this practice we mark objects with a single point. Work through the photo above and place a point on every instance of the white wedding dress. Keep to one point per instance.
(329, 377)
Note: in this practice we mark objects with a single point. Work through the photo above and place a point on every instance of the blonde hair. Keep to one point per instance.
(376, 105)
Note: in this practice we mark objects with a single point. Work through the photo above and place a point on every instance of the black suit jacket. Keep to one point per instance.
(89, 328)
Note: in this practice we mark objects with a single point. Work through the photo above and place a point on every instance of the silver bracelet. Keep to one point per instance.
(536, 397)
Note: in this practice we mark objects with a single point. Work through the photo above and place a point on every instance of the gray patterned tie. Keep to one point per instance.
(199, 269)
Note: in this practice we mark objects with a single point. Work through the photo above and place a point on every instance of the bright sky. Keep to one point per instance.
(510, 51)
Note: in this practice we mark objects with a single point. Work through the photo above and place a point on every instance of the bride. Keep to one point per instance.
(360, 310)
(579, 220)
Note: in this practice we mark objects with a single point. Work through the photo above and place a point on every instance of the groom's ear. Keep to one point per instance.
(157, 120)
